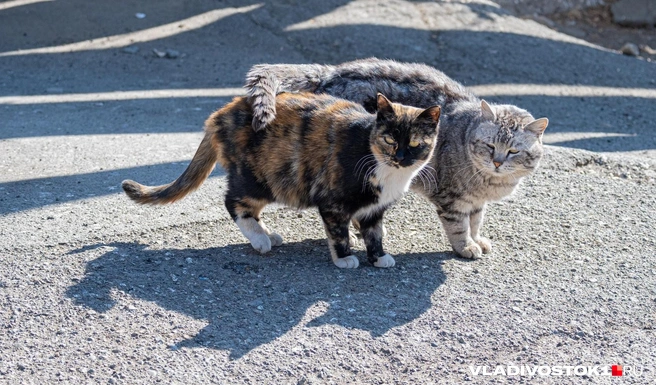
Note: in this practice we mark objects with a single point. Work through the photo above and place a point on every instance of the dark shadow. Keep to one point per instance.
(109, 118)
(33, 193)
(250, 300)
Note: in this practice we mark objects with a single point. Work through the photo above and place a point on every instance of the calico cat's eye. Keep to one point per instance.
(513, 151)
(413, 143)
(389, 140)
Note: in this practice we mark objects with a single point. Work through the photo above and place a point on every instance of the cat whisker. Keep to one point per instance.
(472, 177)
(366, 166)
(429, 176)
(421, 178)
(359, 166)
(372, 171)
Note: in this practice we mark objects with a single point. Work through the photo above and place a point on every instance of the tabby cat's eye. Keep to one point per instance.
(389, 140)
(490, 145)
(413, 143)
(513, 151)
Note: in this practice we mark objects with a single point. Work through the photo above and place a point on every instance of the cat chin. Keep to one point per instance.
(493, 172)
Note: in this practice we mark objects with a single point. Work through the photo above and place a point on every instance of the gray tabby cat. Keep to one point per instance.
(483, 150)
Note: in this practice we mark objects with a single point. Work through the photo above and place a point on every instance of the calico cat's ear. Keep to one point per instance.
(384, 106)
(537, 126)
(488, 112)
(431, 114)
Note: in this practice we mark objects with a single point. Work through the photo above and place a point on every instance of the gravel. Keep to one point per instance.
(541, 7)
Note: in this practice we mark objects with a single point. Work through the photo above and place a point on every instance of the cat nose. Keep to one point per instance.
(399, 156)
(497, 164)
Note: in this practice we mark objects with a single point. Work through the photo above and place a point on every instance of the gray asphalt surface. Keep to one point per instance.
(94, 289)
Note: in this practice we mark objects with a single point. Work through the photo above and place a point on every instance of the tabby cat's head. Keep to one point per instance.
(404, 136)
(508, 141)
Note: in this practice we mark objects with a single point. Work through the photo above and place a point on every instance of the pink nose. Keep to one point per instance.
(497, 164)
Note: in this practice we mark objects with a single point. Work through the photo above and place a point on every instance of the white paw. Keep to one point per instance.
(471, 251)
(353, 239)
(350, 262)
(261, 243)
(385, 261)
(484, 244)
(276, 240)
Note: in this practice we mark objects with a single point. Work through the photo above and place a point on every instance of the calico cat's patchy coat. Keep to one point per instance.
(483, 150)
(319, 152)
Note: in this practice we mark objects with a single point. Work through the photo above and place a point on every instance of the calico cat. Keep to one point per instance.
(319, 151)
(483, 150)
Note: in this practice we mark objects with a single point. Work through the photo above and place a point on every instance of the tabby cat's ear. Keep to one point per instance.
(488, 112)
(384, 106)
(431, 114)
(537, 126)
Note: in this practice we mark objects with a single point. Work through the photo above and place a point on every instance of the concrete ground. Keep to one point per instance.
(94, 289)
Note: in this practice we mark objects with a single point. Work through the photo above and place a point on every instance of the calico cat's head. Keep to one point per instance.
(508, 141)
(404, 136)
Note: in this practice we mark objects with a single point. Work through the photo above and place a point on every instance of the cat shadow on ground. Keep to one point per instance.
(249, 300)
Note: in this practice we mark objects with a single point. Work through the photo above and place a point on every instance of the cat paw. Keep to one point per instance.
(350, 262)
(385, 261)
(353, 239)
(471, 251)
(484, 243)
(276, 240)
(261, 243)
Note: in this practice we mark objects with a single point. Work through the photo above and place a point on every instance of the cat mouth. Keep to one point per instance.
(401, 164)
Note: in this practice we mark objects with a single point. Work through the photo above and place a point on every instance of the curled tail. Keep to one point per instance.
(198, 170)
(265, 81)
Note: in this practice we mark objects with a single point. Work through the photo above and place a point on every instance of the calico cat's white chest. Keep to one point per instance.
(393, 183)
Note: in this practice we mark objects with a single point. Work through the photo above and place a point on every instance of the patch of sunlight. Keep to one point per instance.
(562, 90)
(555, 90)
(19, 3)
(563, 137)
(123, 95)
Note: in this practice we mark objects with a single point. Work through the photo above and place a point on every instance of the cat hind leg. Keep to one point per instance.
(255, 234)
(246, 213)
(276, 239)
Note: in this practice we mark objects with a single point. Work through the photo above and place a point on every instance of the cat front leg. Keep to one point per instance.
(456, 226)
(373, 231)
(475, 222)
(337, 230)
(354, 237)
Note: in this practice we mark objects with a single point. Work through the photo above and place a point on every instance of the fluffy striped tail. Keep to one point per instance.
(265, 81)
(198, 170)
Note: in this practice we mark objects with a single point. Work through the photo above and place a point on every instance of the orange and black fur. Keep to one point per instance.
(320, 151)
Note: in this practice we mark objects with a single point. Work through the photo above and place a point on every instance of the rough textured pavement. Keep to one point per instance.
(94, 289)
